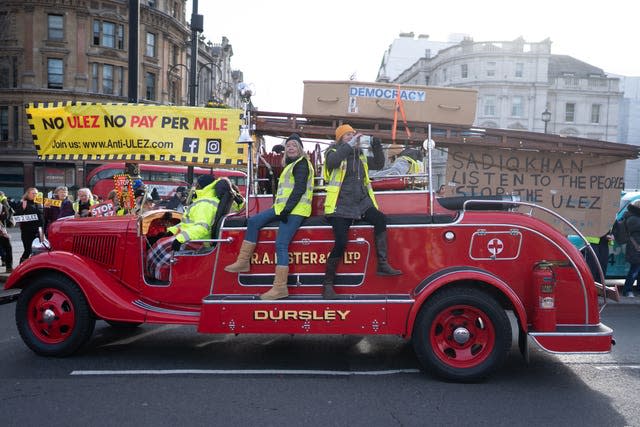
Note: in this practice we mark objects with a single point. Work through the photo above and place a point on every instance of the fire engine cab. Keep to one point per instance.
(467, 263)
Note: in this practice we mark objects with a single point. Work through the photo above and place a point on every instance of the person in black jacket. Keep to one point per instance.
(5, 241)
(349, 198)
(179, 200)
(632, 252)
(29, 229)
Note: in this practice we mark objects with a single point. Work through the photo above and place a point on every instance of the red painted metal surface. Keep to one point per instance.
(495, 251)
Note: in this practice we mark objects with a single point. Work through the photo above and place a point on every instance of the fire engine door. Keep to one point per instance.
(307, 263)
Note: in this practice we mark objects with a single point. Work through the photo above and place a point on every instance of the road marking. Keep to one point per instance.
(612, 367)
(142, 335)
(243, 372)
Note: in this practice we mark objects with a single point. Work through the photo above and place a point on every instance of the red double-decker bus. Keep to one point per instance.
(164, 178)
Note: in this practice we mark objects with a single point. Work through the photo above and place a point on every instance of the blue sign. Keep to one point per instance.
(387, 93)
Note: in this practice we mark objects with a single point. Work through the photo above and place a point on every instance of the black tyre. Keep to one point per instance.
(462, 334)
(53, 316)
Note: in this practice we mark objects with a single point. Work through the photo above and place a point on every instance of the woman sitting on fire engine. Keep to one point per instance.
(349, 198)
(214, 198)
(292, 205)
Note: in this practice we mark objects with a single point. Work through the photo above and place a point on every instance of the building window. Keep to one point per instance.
(152, 3)
(150, 92)
(151, 45)
(569, 112)
(55, 76)
(15, 124)
(120, 37)
(464, 71)
(516, 106)
(108, 34)
(119, 81)
(491, 69)
(444, 74)
(595, 113)
(107, 79)
(490, 105)
(175, 54)
(519, 69)
(56, 27)
(8, 72)
(94, 77)
(4, 123)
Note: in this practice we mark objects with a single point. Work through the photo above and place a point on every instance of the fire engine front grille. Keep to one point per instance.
(99, 248)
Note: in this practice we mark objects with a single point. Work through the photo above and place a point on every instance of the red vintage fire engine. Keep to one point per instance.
(466, 264)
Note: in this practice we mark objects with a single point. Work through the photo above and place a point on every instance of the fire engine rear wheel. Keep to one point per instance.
(462, 334)
(53, 316)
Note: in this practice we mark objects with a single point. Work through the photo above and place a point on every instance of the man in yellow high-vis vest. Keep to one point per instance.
(350, 197)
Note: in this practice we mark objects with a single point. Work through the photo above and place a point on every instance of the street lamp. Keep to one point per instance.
(546, 117)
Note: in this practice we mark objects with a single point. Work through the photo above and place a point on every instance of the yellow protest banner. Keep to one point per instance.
(154, 133)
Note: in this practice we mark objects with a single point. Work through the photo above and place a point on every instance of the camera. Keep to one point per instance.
(365, 141)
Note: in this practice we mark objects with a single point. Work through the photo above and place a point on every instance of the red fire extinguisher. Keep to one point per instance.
(544, 282)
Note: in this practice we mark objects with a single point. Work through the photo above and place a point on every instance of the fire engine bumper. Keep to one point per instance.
(576, 339)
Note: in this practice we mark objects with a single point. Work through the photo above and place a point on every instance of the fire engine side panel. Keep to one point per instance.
(294, 317)
(505, 245)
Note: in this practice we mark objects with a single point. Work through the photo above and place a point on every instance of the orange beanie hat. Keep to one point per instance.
(341, 130)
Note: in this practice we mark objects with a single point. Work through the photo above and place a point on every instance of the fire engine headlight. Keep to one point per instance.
(449, 236)
(40, 244)
(38, 247)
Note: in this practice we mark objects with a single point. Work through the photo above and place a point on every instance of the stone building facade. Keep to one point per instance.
(77, 50)
(516, 82)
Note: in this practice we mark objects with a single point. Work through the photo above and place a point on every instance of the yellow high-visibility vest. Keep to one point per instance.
(333, 181)
(285, 188)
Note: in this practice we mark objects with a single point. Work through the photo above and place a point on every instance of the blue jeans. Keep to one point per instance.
(634, 269)
(286, 231)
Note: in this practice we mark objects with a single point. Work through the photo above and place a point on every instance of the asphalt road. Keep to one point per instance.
(170, 375)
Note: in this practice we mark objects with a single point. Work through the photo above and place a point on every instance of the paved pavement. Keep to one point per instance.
(16, 244)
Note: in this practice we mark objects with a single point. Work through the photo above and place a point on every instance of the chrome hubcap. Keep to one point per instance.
(461, 335)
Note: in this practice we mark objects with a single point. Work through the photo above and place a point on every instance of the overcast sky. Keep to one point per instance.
(280, 43)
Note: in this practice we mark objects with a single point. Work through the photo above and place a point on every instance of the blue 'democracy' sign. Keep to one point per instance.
(387, 93)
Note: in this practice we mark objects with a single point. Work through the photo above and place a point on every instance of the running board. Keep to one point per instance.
(576, 339)
(305, 314)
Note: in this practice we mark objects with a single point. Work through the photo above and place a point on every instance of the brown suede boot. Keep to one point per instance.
(243, 262)
(329, 277)
(279, 289)
(384, 269)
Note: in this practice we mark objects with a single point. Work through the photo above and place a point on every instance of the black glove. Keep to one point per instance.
(176, 245)
(238, 199)
(284, 216)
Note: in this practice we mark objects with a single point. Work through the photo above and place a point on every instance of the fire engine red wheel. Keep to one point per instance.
(53, 317)
(462, 334)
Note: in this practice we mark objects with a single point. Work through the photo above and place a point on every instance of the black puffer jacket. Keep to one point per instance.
(31, 208)
(632, 220)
